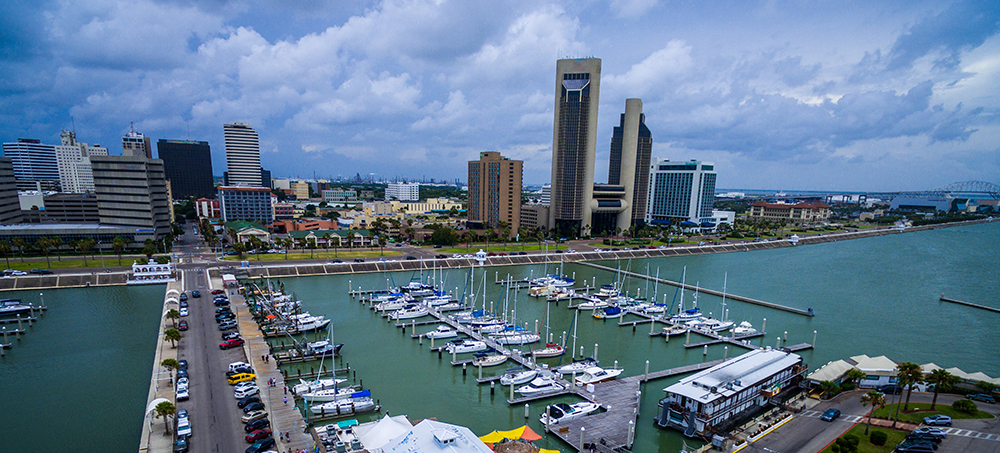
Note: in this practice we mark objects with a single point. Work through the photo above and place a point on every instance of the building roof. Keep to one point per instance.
(243, 225)
(816, 205)
(427, 436)
(831, 371)
(873, 365)
(733, 376)
(319, 233)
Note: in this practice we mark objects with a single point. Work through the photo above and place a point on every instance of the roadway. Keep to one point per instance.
(215, 419)
(806, 433)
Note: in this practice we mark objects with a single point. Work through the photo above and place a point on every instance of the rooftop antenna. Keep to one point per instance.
(131, 128)
(73, 120)
(188, 123)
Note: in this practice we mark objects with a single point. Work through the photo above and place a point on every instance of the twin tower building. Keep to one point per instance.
(679, 191)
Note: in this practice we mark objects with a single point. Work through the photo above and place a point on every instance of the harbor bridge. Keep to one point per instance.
(979, 190)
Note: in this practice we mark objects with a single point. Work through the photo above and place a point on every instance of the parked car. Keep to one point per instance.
(247, 400)
(230, 335)
(240, 377)
(916, 447)
(182, 413)
(258, 406)
(239, 369)
(182, 326)
(440, 256)
(243, 385)
(938, 420)
(218, 291)
(182, 364)
(221, 302)
(184, 427)
(227, 325)
(183, 296)
(410, 257)
(15, 273)
(890, 389)
(246, 391)
(40, 271)
(254, 425)
(830, 415)
(182, 393)
(261, 445)
(232, 343)
(258, 435)
(181, 445)
(184, 303)
(255, 415)
(338, 261)
(359, 260)
(182, 374)
(225, 317)
(196, 293)
(983, 397)
(925, 436)
(236, 366)
(184, 311)
(933, 431)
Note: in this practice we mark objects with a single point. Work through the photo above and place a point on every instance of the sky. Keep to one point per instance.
(787, 95)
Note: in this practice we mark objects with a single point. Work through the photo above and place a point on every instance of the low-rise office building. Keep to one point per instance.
(723, 395)
(797, 213)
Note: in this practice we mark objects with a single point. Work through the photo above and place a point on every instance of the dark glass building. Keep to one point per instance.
(188, 166)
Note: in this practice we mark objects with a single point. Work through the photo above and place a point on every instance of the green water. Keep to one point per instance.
(84, 373)
(78, 380)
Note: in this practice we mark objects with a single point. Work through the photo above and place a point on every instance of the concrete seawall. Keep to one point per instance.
(154, 438)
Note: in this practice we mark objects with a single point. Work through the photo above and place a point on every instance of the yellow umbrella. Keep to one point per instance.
(492, 438)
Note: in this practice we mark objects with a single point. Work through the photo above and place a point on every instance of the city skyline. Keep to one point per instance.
(887, 96)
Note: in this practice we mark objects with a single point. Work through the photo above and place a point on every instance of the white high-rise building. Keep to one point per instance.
(242, 155)
(681, 192)
(73, 160)
(402, 191)
(136, 144)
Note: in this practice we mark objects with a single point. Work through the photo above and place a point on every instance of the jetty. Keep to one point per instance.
(969, 304)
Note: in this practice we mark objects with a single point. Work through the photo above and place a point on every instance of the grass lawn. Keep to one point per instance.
(924, 410)
(895, 437)
(511, 247)
(75, 262)
(318, 254)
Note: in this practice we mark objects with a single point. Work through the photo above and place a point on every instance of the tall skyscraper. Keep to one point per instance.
(631, 149)
(136, 144)
(574, 139)
(132, 191)
(34, 164)
(188, 166)
(242, 155)
(495, 191)
(10, 206)
(681, 192)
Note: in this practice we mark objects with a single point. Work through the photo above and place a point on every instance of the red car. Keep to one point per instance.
(258, 435)
(231, 343)
(182, 326)
(218, 291)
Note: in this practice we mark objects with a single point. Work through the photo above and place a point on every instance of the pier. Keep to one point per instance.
(969, 304)
(713, 292)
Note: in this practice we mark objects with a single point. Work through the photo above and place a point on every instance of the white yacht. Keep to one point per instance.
(410, 312)
(321, 396)
(709, 324)
(745, 328)
(540, 385)
(521, 337)
(597, 374)
(311, 386)
(578, 366)
(488, 359)
(518, 378)
(550, 350)
(561, 412)
(442, 332)
(592, 303)
(356, 402)
(464, 346)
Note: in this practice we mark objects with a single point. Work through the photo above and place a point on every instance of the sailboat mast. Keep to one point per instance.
(576, 316)
(725, 279)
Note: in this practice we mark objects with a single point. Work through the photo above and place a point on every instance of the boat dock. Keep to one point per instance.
(713, 292)
(969, 304)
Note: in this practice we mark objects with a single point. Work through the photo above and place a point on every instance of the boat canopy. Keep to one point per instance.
(361, 394)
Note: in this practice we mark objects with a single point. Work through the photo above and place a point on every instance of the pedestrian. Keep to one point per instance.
(285, 399)
(286, 390)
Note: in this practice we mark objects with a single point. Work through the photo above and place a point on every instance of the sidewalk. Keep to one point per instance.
(154, 438)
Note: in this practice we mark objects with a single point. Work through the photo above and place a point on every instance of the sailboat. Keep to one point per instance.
(692, 313)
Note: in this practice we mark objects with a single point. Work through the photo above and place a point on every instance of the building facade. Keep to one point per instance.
(681, 192)
(402, 191)
(723, 395)
(10, 205)
(135, 144)
(72, 208)
(535, 216)
(207, 208)
(574, 140)
(132, 192)
(35, 164)
(300, 189)
(188, 166)
(797, 213)
(242, 155)
(495, 191)
(246, 203)
(631, 150)
(73, 160)
(337, 195)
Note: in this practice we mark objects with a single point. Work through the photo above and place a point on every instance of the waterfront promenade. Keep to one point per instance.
(154, 437)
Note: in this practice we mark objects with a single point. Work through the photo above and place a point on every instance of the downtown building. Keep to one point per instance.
(621, 203)
(402, 191)
(135, 144)
(494, 192)
(188, 166)
(35, 164)
(681, 193)
(132, 192)
(242, 156)
(246, 203)
(73, 161)
(10, 206)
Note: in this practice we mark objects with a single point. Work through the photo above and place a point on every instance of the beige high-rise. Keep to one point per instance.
(495, 191)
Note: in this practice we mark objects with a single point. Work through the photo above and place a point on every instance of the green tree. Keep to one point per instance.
(240, 248)
(84, 246)
(57, 243)
(311, 243)
(965, 405)
(173, 315)
(855, 375)
(255, 244)
(166, 410)
(173, 336)
(942, 380)
(19, 243)
(825, 387)
(876, 399)
(149, 249)
(326, 243)
(6, 248)
(118, 243)
(44, 245)
(444, 236)
(170, 364)
(909, 374)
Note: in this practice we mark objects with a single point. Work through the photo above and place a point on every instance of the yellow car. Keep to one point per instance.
(241, 377)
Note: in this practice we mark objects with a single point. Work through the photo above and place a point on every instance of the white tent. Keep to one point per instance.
(434, 436)
(388, 428)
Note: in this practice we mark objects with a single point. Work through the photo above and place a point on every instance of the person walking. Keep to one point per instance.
(285, 399)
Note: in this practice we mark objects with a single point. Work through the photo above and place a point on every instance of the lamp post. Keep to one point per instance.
(101, 251)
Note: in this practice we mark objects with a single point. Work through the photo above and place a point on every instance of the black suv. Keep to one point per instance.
(261, 445)
(890, 389)
(257, 424)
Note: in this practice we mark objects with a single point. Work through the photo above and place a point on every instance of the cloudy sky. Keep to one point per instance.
(812, 95)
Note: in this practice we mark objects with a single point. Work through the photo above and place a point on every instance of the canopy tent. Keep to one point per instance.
(151, 408)
(523, 432)
(688, 223)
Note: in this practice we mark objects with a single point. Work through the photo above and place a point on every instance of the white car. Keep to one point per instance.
(182, 393)
(18, 273)
(183, 383)
(246, 391)
(243, 385)
(184, 311)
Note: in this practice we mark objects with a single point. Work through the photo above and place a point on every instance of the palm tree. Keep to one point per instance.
(855, 375)
(173, 315)
(57, 243)
(825, 387)
(170, 365)
(942, 380)
(44, 245)
(326, 243)
(83, 246)
(6, 248)
(256, 243)
(173, 336)
(240, 248)
(19, 243)
(311, 243)
(876, 399)
(118, 243)
(910, 374)
(166, 410)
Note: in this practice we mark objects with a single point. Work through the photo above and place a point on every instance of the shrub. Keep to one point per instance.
(878, 438)
(847, 386)
(846, 444)
(852, 439)
(966, 406)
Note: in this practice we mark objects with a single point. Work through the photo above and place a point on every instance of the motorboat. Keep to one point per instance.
(561, 294)
(465, 345)
(442, 332)
(386, 296)
(647, 308)
(410, 312)
(552, 280)
(550, 350)
(436, 300)
(578, 366)
(496, 327)
(609, 313)
(595, 374)
(417, 288)
(606, 291)
(709, 324)
(394, 304)
(745, 328)
(484, 320)
(325, 395)
(539, 385)
(466, 317)
(518, 378)
(312, 386)
(356, 402)
(541, 291)
(324, 347)
(516, 338)
(485, 359)
(13, 307)
(562, 412)
(674, 330)
(308, 323)
(593, 303)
